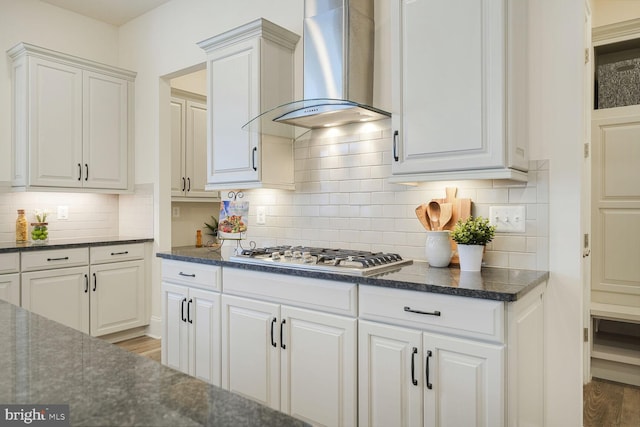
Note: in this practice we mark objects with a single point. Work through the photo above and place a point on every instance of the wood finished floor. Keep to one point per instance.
(610, 404)
(144, 346)
(606, 403)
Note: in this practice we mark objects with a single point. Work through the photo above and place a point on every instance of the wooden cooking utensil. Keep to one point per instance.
(446, 210)
(421, 213)
(433, 212)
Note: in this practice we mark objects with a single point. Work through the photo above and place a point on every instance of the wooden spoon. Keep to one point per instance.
(433, 211)
(421, 213)
(446, 210)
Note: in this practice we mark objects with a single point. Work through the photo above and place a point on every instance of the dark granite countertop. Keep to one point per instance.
(71, 243)
(501, 284)
(44, 362)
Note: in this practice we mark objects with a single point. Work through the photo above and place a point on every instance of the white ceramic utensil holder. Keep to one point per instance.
(438, 248)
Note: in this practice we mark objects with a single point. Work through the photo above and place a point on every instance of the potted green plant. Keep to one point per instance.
(472, 235)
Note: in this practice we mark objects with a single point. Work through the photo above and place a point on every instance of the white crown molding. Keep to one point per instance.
(618, 31)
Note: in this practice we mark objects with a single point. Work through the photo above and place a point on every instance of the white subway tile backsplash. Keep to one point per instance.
(343, 199)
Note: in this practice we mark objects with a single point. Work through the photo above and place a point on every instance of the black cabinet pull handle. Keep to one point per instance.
(86, 168)
(253, 158)
(186, 275)
(189, 311)
(184, 184)
(86, 283)
(429, 313)
(95, 282)
(182, 310)
(413, 366)
(79, 172)
(189, 184)
(395, 146)
(429, 385)
(273, 322)
(119, 253)
(58, 259)
(284, 347)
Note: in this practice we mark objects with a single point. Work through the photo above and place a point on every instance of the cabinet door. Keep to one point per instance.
(10, 288)
(178, 174)
(234, 73)
(390, 372)
(465, 382)
(117, 297)
(319, 367)
(175, 334)
(251, 349)
(105, 131)
(196, 150)
(61, 295)
(448, 93)
(203, 316)
(55, 124)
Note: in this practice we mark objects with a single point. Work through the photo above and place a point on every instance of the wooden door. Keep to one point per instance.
(251, 349)
(465, 382)
(175, 337)
(616, 206)
(61, 295)
(105, 131)
(196, 150)
(117, 297)
(203, 316)
(55, 124)
(10, 288)
(319, 367)
(390, 376)
(234, 74)
(448, 92)
(178, 133)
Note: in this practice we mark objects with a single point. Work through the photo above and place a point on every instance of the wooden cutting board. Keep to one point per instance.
(461, 209)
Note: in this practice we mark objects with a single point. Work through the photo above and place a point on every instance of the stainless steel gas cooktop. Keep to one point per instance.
(344, 261)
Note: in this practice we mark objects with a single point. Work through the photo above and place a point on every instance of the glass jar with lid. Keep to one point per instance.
(21, 227)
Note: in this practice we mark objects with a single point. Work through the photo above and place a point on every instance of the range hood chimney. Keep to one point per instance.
(338, 70)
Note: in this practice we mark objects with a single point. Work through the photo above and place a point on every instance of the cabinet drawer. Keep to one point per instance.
(54, 258)
(115, 253)
(317, 294)
(462, 316)
(10, 262)
(192, 274)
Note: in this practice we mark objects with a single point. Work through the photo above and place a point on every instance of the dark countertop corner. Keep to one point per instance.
(7, 247)
(44, 362)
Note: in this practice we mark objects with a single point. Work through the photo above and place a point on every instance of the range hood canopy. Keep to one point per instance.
(338, 71)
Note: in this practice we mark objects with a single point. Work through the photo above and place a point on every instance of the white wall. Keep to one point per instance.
(557, 126)
(606, 12)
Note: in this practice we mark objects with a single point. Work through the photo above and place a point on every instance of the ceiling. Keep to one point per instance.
(114, 12)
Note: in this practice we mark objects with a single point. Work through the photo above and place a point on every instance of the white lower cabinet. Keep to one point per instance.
(300, 361)
(101, 298)
(191, 319)
(411, 378)
(10, 277)
(61, 295)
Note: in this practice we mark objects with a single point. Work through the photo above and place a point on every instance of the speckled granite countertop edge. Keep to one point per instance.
(72, 243)
(492, 283)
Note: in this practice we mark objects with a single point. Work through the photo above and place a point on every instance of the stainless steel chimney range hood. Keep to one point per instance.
(338, 71)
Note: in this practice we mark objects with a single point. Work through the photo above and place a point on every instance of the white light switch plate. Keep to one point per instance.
(261, 214)
(507, 219)
(63, 212)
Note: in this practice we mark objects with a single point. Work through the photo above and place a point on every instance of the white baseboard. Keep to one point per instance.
(154, 329)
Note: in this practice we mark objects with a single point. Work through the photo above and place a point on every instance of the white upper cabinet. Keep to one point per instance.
(249, 70)
(459, 90)
(73, 122)
(189, 146)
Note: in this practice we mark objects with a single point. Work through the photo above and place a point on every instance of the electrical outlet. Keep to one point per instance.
(175, 212)
(63, 212)
(507, 219)
(261, 213)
